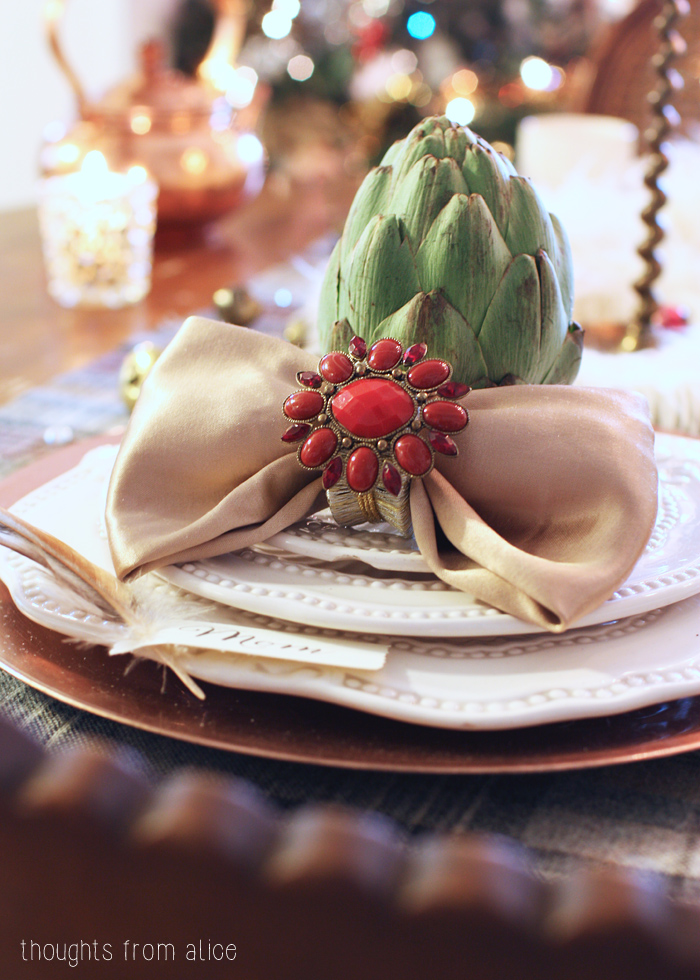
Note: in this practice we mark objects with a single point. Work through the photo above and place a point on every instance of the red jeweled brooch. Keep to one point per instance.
(358, 419)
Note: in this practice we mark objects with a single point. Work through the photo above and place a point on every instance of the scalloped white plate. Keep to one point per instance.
(312, 588)
(490, 683)
(484, 683)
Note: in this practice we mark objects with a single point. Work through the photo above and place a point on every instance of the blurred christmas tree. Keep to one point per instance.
(382, 64)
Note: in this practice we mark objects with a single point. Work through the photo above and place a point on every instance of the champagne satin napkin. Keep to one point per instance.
(543, 513)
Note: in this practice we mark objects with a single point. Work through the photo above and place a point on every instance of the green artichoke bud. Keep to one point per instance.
(446, 244)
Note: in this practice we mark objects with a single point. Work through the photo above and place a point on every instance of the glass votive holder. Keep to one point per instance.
(97, 230)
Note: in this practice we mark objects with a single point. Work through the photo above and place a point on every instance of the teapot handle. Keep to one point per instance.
(53, 15)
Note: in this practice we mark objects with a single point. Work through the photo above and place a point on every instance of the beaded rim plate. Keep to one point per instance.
(381, 547)
(333, 596)
(477, 683)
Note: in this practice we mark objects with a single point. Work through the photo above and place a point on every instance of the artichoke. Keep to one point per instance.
(446, 244)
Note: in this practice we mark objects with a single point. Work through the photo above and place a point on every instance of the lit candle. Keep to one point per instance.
(97, 232)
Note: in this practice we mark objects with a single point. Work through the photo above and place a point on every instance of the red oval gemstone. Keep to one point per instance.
(413, 455)
(443, 444)
(453, 389)
(362, 469)
(357, 347)
(372, 407)
(414, 353)
(391, 478)
(319, 447)
(296, 432)
(303, 405)
(309, 379)
(332, 473)
(447, 416)
(336, 367)
(384, 355)
(428, 374)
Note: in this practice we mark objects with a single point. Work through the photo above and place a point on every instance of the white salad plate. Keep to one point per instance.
(322, 585)
(466, 683)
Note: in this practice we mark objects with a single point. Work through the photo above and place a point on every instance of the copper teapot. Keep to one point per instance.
(202, 153)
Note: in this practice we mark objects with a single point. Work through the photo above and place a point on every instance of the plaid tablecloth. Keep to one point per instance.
(644, 816)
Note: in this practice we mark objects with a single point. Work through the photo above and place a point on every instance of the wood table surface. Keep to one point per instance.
(39, 339)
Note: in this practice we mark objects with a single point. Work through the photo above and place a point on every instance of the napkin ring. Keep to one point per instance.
(361, 419)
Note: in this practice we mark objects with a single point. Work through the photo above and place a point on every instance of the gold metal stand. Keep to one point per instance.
(665, 119)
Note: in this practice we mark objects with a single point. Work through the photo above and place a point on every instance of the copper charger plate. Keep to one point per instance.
(303, 730)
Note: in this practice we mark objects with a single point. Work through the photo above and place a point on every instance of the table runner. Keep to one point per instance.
(644, 816)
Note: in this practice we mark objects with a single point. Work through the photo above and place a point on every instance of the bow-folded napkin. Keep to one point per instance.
(543, 513)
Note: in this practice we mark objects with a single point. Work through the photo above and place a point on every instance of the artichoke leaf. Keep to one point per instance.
(464, 255)
(328, 300)
(371, 198)
(510, 333)
(382, 275)
(424, 192)
(564, 264)
(438, 324)
(529, 226)
(485, 174)
(418, 147)
(456, 143)
(566, 366)
(340, 335)
(555, 322)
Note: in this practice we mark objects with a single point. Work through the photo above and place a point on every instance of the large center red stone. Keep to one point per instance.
(372, 407)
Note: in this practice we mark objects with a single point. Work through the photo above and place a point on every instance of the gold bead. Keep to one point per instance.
(134, 370)
(397, 373)
(421, 396)
(382, 445)
(346, 443)
(323, 417)
(360, 369)
(416, 424)
(326, 388)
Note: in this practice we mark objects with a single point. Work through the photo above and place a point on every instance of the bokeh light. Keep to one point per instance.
(404, 61)
(460, 111)
(536, 74)
(421, 25)
(289, 8)
(464, 82)
(283, 298)
(399, 87)
(250, 149)
(241, 88)
(276, 24)
(300, 67)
